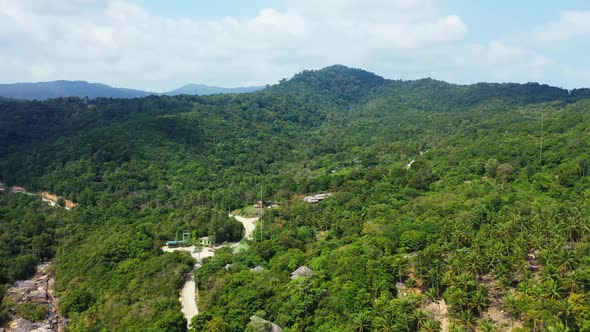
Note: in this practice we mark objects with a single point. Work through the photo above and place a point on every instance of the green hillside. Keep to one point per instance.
(491, 214)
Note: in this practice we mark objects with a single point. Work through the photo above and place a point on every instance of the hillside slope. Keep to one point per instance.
(491, 215)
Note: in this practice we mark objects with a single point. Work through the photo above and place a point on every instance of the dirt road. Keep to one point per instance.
(188, 295)
(188, 299)
(249, 225)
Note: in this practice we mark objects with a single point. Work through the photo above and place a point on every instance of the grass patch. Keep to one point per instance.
(247, 211)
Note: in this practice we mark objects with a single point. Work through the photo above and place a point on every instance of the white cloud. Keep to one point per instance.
(118, 42)
(498, 61)
(571, 24)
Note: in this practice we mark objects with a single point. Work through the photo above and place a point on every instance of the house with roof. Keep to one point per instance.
(205, 240)
(316, 198)
(17, 189)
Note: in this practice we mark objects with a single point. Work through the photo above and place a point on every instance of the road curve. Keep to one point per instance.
(188, 295)
(249, 225)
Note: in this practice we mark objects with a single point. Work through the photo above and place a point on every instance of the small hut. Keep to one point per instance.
(205, 240)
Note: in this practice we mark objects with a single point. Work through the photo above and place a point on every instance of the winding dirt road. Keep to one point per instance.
(188, 294)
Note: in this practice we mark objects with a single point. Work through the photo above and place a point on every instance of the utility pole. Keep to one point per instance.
(261, 203)
(541, 145)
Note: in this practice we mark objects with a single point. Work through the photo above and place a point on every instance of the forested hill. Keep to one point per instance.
(57, 89)
(201, 89)
(348, 85)
(475, 194)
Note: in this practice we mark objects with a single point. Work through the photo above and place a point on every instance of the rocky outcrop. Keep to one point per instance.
(38, 289)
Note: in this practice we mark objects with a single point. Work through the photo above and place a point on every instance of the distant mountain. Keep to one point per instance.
(201, 89)
(56, 89)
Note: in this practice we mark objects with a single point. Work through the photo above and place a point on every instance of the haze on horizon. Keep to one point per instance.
(158, 46)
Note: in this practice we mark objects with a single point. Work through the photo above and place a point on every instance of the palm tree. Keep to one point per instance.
(551, 289)
(571, 225)
(456, 328)
(513, 305)
(568, 261)
(479, 301)
(361, 322)
(384, 323)
(564, 310)
(486, 325)
(431, 294)
(465, 282)
(572, 282)
(430, 326)
(536, 318)
(558, 327)
(400, 265)
(421, 317)
(467, 319)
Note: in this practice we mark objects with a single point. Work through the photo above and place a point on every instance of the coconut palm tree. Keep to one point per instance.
(361, 322)
(430, 326)
(564, 310)
(384, 323)
(467, 319)
(486, 325)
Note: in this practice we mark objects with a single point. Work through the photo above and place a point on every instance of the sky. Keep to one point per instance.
(157, 45)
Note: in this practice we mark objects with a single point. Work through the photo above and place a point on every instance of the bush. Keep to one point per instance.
(35, 312)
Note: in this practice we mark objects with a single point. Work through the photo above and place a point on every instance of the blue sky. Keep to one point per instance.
(159, 45)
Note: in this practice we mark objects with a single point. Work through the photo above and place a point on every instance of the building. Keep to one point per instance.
(17, 189)
(205, 240)
(311, 199)
(175, 244)
(316, 198)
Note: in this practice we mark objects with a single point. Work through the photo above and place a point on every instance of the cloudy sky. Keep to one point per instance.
(159, 45)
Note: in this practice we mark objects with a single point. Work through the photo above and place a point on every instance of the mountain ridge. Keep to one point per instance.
(84, 89)
(346, 84)
(203, 89)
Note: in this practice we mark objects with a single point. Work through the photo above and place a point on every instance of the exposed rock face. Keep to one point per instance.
(38, 289)
(262, 325)
(302, 271)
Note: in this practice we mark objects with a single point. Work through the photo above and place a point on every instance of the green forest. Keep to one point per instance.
(475, 196)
